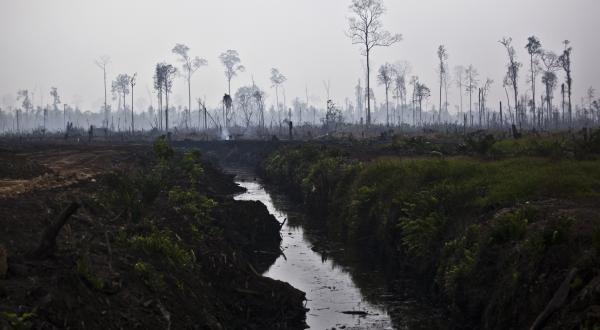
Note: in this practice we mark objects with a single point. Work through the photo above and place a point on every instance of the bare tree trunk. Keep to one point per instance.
(132, 126)
(446, 95)
(501, 120)
(105, 103)
(471, 106)
(515, 87)
(441, 81)
(570, 108)
(549, 103)
(277, 105)
(420, 111)
(124, 109)
(397, 119)
(64, 116)
(166, 109)
(368, 88)
(479, 106)
(387, 107)
(189, 114)
(160, 118)
(562, 92)
(461, 98)
(508, 103)
(533, 86)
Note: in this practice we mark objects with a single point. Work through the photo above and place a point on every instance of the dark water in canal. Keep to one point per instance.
(342, 292)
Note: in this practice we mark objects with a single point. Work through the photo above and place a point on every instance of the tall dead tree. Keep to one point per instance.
(459, 72)
(158, 86)
(565, 63)
(27, 105)
(414, 81)
(359, 94)
(55, 98)
(188, 67)
(442, 54)
(165, 73)
(534, 48)
(132, 83)
(485, 89)
(562, 93)
(102, 62)
(471, 85)
(551, 64)
(366, 29)
(513, 67)
(120, 86)
(401, 69)
(231, 61)
(55, 103)
(385, 78)
(423, 93)
(277, 79)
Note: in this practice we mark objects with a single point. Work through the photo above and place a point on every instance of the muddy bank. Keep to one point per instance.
(156, 242)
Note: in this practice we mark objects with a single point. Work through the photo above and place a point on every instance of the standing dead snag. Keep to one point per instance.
(385, 78)
(132, 83)
(231, 61)
(512, 74)
(189, 67)
(565, 63)
(102, 62)
(48, 242)
(442, 54)
(366, 29)
(534, 49)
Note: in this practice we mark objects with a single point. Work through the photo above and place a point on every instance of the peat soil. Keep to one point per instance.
(93, 276)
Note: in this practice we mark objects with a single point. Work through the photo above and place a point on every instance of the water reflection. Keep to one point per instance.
(336, 280)
(333, 298)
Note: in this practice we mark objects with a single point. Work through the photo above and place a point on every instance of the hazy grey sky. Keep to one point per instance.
(54, 43)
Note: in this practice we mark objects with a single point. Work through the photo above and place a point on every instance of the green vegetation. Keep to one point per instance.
(162, 149)
(85, 271)
(132, 192)
(581, 145)
(192, 202)
(16, 321)
(151, 277)
(163, 243)
(476, 227)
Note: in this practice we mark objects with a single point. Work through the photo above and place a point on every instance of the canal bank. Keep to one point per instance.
(343, 290)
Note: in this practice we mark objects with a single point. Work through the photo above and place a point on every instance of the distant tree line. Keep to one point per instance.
(245, 108)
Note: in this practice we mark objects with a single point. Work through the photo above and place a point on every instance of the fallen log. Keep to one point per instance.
(559, 298)
(359, 313)
(48, 242)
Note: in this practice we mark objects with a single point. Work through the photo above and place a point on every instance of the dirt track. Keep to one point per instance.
(61, 168)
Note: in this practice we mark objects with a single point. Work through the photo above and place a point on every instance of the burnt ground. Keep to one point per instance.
(119, 267)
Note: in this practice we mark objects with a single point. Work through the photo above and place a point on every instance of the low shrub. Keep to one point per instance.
(163, 244)
(86, 273)
(151, 277)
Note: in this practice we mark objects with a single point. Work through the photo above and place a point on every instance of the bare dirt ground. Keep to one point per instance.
(54, 168)
(92, 278)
